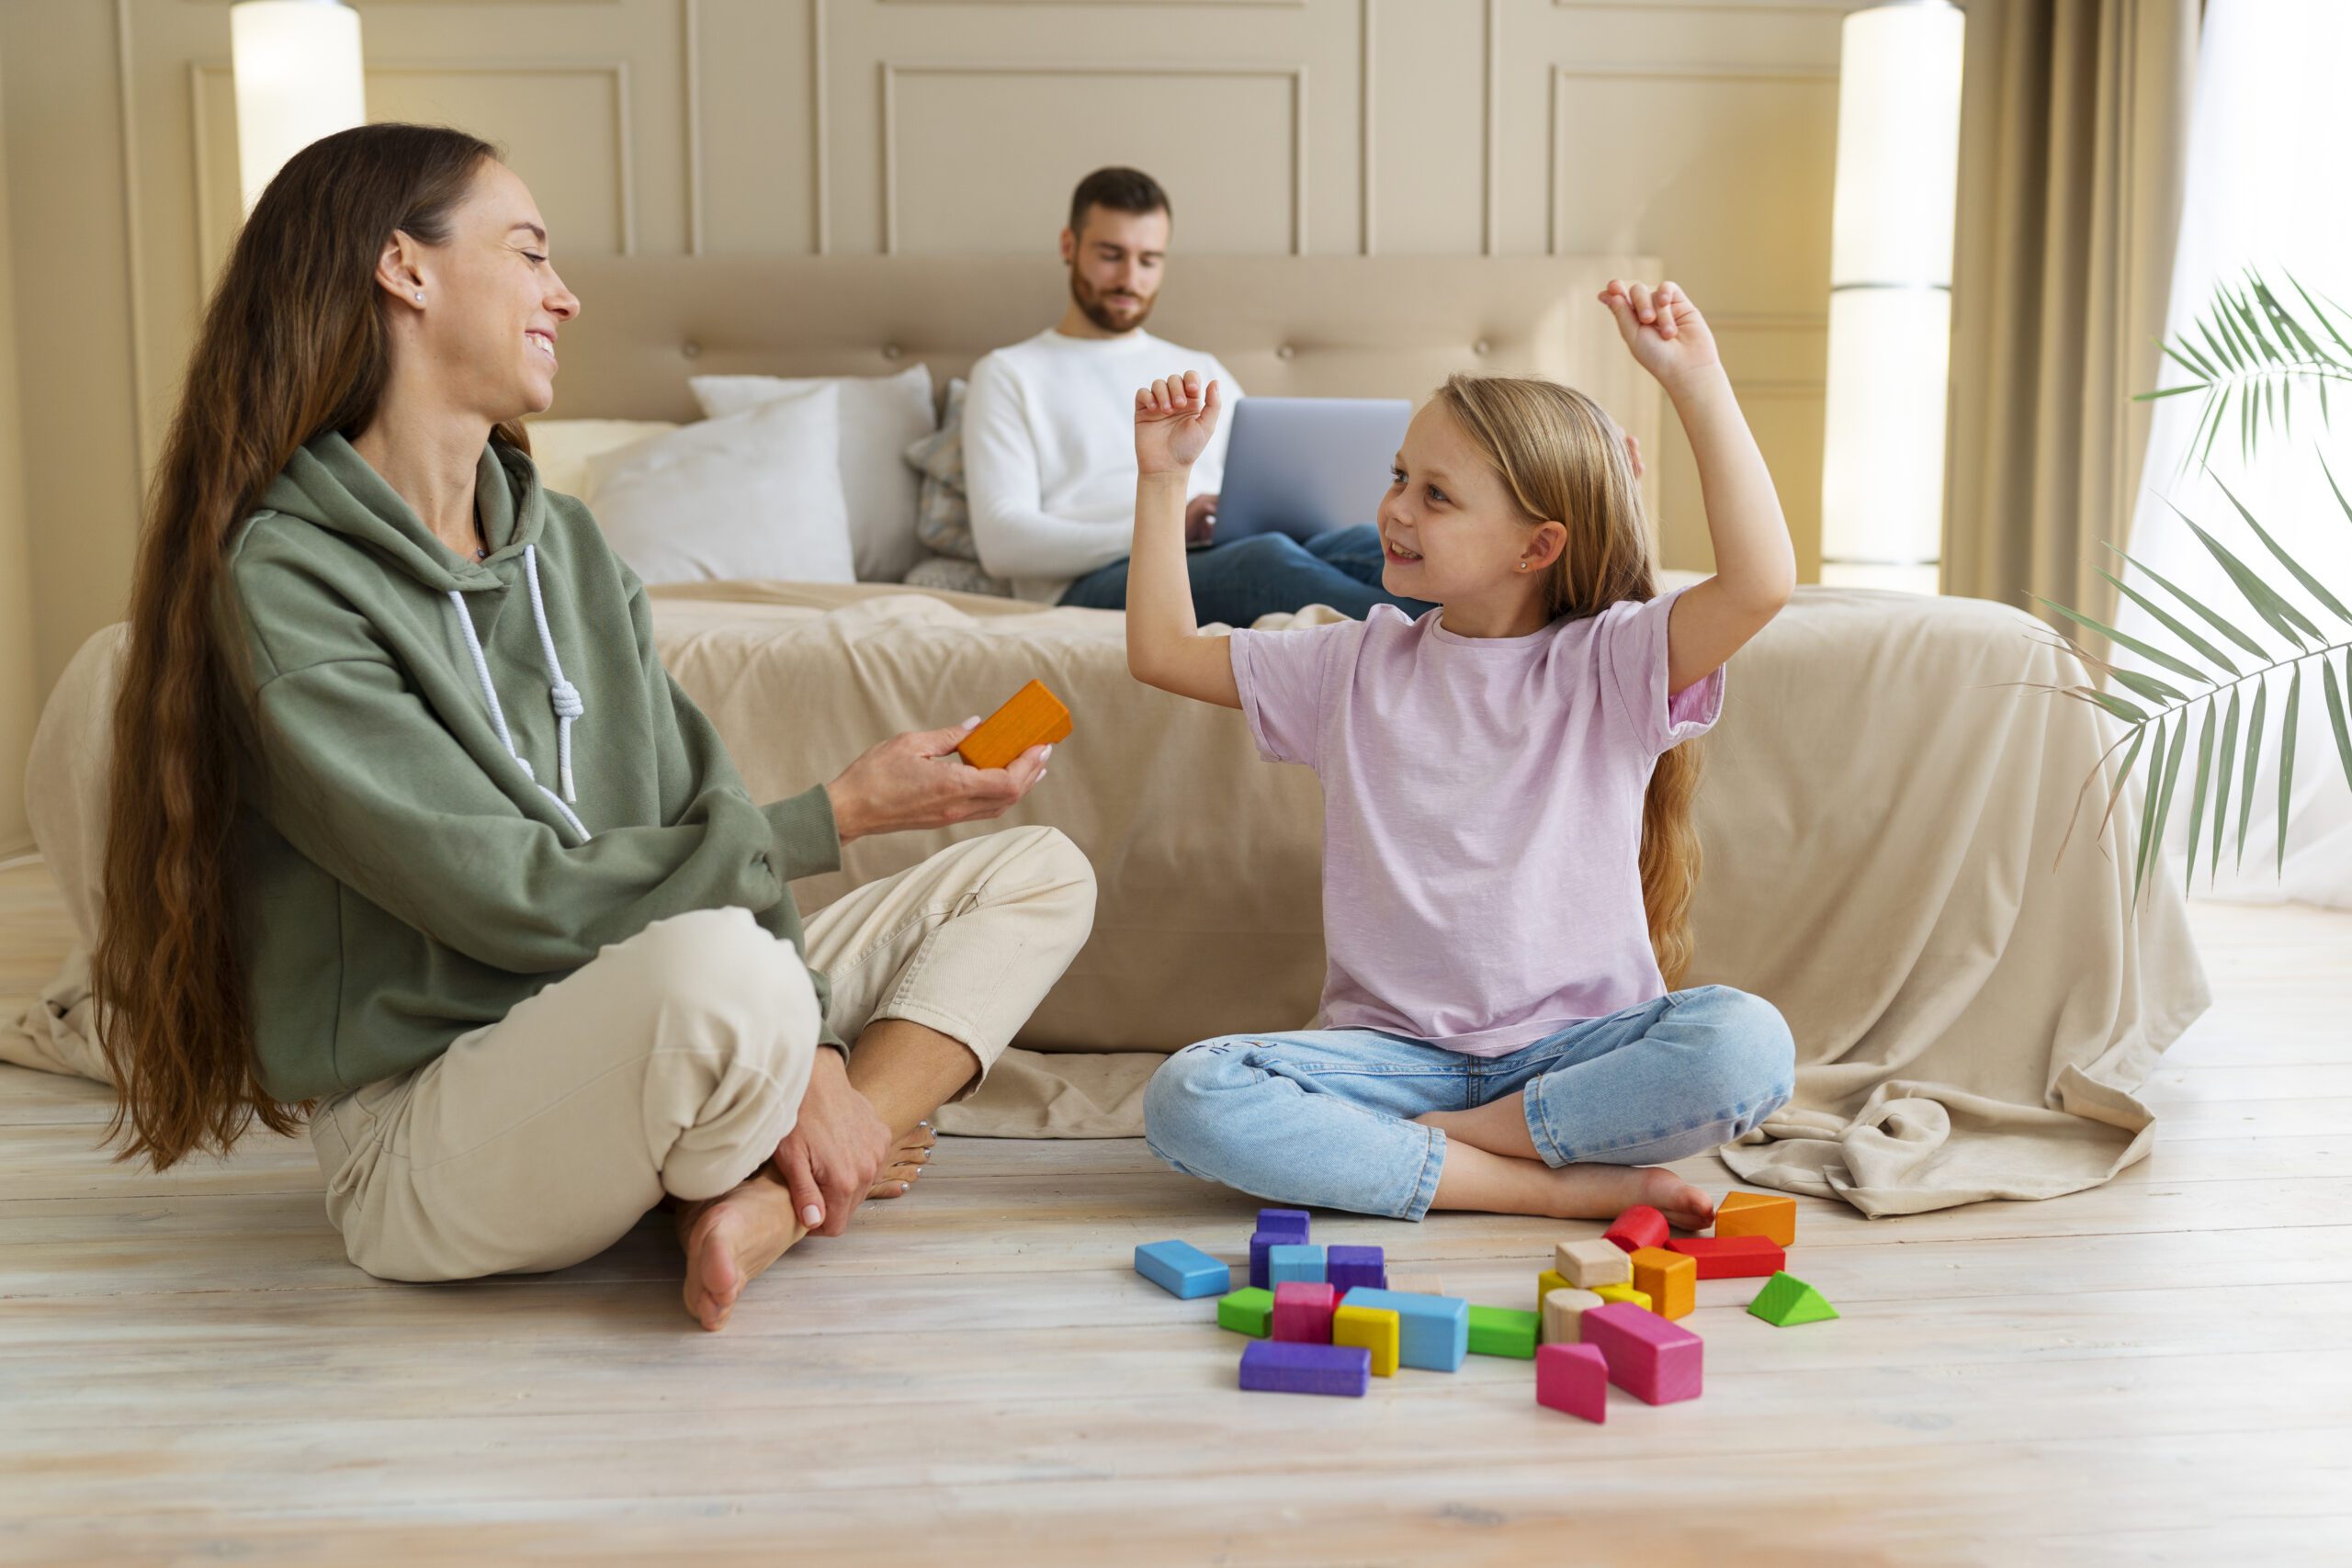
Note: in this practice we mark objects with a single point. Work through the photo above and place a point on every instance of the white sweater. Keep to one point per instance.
(1049, 452)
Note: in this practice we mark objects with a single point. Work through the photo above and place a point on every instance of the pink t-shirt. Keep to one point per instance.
(1482, 812)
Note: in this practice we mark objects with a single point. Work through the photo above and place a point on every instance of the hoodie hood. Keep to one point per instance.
(329, 484)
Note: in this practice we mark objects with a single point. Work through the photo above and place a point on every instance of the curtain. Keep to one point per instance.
(2074, 140)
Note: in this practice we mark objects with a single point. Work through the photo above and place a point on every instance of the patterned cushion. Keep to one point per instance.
(958, 576)
(943, 521)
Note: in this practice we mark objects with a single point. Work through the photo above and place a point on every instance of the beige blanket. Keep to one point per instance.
(1882, 817)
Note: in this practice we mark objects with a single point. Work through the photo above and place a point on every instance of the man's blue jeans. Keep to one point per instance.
(1237, 584)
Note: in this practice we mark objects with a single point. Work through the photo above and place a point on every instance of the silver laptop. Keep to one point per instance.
(1303, 465)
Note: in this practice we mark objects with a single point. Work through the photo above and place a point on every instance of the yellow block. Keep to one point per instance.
(1624, 1294)
(1377, 1329)
(1670, 1279)
(1758, 1213)
(1549, 1280)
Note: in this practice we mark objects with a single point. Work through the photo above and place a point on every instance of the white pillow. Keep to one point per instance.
(561, 448)
(880, 415)
(755, 496)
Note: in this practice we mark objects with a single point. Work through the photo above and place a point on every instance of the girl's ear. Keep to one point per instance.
(1544, 547)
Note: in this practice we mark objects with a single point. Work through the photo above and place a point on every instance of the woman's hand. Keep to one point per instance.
(1175, 416)
(915, 780)
(1669, 337)
(837, 1147)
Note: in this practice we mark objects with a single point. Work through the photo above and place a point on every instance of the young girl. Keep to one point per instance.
(1508, 858)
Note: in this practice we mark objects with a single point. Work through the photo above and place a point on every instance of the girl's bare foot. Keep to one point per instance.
(1497, 1184)
(729, 1239)
(907, 1162)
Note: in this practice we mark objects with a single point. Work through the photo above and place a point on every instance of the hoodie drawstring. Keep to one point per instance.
(562, 694)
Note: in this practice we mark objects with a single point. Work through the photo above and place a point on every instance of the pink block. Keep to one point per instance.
(1636, 1228)
(1303, 1311)
(1574, 1378)
(1649, 1358)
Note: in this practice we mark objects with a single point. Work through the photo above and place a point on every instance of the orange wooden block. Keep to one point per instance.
(1755, 1213)
(1669, 1279)
(1034, 717)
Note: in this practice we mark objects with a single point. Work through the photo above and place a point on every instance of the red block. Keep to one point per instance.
(1636, 1228)
(1303, 1311)
(1574, 1378)
(1655, 1361)
(1732, 1256)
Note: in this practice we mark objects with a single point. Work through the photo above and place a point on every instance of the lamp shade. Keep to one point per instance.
(299, 78)
(1890, 295)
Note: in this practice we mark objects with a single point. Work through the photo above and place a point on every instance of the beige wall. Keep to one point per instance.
(1700, 130)
(18, 706)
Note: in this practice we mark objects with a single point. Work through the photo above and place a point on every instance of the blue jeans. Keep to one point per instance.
(1324, 1117)
(1237, 584)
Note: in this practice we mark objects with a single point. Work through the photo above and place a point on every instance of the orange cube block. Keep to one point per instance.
(1758, 1213)
(1670, 1279)
(1034, 717)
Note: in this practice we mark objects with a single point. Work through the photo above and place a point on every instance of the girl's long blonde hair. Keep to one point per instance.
(1564, 459)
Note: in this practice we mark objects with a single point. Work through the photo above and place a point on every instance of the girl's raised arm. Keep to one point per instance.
(1174, 419)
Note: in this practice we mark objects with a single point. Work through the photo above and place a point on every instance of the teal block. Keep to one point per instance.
(1286, 1265)
(1434, 1331)
(1183, 1270)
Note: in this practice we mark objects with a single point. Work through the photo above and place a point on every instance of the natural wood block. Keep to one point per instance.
(1732, 1256)
(1669, 1279)
(1591, 1262)
(1034, 716)
(1637, 1228)
(1772, 1214)
(1562, 1310)
(1415, 1284)
(1376, 1330)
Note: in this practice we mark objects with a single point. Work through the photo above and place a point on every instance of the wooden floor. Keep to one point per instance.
(2156, 1371)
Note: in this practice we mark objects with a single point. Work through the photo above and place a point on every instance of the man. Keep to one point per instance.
(1049, 442)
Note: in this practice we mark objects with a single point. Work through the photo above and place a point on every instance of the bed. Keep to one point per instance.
(1881, 815)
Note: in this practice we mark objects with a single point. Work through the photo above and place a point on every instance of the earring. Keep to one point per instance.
(420, 296)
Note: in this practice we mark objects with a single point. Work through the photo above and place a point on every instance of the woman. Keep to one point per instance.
(409, 824)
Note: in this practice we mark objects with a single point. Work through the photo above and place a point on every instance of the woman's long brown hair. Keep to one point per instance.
(293, 345)
(1564, 458)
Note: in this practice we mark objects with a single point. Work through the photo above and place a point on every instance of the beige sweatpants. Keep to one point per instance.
(674, 1062)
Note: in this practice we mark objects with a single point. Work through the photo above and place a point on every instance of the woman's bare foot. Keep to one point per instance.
(1497, 1184)
(729, 1239)
(907, 1161)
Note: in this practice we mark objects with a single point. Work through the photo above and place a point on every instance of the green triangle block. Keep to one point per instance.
(1504, 1331)
(1786, 1301)
(1247, 1311)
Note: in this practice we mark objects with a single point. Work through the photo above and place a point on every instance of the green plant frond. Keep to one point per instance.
(2205, 650)
(2283, 321)
(2286, 760)
(2336, 715)
(2338, 489)
(2122, 777)
(2196, 796)
(2164, 800)
(2155, 655)
(2148, 802)
(2145, 685)
(2169, 392)
(2219, 625)
(2283, 617)
(2222, 777)
(2184, 353)
(2319, 315)
(2312, 585)
(2253, 758)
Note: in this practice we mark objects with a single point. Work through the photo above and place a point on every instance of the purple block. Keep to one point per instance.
(1649, 1358)
(1277, 1367)
(1288, 1223)
(1356, 1268)
(1259, 1245)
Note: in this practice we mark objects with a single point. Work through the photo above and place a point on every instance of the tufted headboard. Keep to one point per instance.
(1329, 326)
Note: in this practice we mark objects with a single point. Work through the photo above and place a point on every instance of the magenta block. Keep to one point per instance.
(1649, 1358)
(1574, 1378)
(1302, 1313)
(1305, 1369)
(1353, 1268)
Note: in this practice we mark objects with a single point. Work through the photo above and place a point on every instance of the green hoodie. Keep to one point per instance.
(409, 875)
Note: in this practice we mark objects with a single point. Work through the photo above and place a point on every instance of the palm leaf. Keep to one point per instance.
(2284, 618)
(2196, 796)
(2286, 760)
(2252, 755)
(2223, 776)
(2148, 802)
(2164, 800)
(2122, 777)
(2319, 315)
(2336, 715)
(2312, 585)
(2226, 628)
(2154, 655)
(2163, 618)
(2147, 686)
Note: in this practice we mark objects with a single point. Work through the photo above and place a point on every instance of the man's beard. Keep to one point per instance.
(1097, 310)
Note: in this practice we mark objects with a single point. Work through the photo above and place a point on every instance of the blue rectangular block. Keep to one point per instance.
(1260, 1244)
(1283, 1367)
(1356, 1268)
(1288, 1223)
(1287, 1263)
(1183, 1270)
(1433, 1331)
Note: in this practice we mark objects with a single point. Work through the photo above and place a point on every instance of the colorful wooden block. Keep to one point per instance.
(1248, 1311)
(1772, 1214)
(1376, 1330)
(1626, 1293)
(1290, 1223)
(1183, 1270)
(1302, 1313)
(1433, 1332)
(1416, 1284)
(1655, 1361)
(1031, 717)
(1562, 1310)
(1292, 1264)
(1504, 1331)
(1637, 1228)
(1354, 1268)
(1553, 1280)
(1669, 1279)
(1276, 1366)
(1731, 1256)
(1260, 1244)
(1786, 1301)
(1574, 1378)
(1591, 1263)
